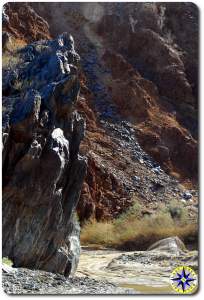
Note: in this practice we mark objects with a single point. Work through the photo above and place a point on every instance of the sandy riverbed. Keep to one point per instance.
(144, 271)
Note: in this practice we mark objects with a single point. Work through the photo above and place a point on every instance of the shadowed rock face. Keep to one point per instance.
(42, 169)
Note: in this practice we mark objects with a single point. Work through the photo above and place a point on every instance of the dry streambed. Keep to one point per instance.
(143, 271)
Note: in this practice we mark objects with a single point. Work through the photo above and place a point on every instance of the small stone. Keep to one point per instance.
(136, 178)
(28, 286)
(157, 170)
(187, 195)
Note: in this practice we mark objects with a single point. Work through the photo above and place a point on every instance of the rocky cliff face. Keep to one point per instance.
(170, 107)
(139, 88)
(138, 76)
(42, 169)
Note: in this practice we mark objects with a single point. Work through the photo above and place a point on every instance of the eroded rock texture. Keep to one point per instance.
(22, 22)
(139, 85)
(42, 169)
(139, 94)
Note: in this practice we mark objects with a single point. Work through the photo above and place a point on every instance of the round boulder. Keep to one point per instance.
(171, 245)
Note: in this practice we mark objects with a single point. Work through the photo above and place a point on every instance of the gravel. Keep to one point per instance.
(26, 281)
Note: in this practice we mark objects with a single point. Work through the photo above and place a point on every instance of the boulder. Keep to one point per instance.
(171, 245)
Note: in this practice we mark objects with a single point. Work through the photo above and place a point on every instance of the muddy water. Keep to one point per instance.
(144, 278)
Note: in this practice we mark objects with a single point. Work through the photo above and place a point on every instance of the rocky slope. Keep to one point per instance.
(135, 84)
(138, 95)
(42, 169)
(145, 81)
(22, 22)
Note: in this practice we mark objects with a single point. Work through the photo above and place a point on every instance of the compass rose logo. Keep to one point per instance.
(183, 280)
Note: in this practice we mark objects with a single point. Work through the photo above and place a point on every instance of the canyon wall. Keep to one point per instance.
(139, 95)
(139, 65)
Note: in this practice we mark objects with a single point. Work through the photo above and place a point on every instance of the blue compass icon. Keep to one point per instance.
(183, 279)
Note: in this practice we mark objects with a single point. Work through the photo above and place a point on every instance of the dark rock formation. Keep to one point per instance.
(42, 169)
